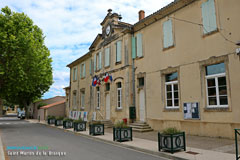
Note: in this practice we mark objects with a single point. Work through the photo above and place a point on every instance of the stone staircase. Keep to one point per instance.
(140, 127)
(107, 123)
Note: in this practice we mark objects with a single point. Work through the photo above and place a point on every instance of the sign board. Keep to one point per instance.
(191, 110)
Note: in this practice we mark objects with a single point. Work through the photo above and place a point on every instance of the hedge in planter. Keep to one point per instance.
(96, 128)
(121, 132)
(171, 140)
(51, 119)
(79, 125)
(67, 123)
(59, 121)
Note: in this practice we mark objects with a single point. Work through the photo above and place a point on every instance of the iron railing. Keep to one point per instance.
(237, 133)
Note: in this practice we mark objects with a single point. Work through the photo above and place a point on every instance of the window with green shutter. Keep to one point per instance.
(209, 17)
(167, 34)
(90, 67)
(133, 47)
(99, 60)
(84, 71)
(139, 45)
(94, 62)
(118, 51)
(74, 73)
(107, 57)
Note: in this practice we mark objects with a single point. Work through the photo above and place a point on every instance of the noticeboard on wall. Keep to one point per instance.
(191, 110)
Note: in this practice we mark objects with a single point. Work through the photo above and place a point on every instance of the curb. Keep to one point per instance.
(160, 154)
(2, 156)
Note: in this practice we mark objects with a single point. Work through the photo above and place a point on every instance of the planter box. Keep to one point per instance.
(51, 121)
(67, 124)
(79, 126)
(96, 129)
(58, 122)
(171, 142)
(122, 134)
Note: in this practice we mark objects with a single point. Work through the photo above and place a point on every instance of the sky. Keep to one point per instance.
(70, 26)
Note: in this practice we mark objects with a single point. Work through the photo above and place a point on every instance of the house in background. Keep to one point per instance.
(56, 109)
(34, 107)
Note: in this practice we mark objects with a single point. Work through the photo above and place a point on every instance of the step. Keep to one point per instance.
(142, 130)
(140, 127)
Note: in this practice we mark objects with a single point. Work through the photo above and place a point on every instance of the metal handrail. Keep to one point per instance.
(237, 132)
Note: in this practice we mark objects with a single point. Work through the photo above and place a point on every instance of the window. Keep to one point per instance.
(216, 86)
(209, 17)
(82, 70)
(107, 57)
(90, 67)
(95, 63)
(99, 60)
(140, 82)
(98, 98)
(167, 34)
(171, 87)
(75, 74)
(75, 99)
(137, 50)
(82, 99)
(118, 51)
(119, 95)
(107, 87)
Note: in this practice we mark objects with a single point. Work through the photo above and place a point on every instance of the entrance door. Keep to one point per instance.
(108, 106)
(142, 105)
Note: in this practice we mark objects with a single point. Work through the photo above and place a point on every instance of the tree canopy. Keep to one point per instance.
(25, 63)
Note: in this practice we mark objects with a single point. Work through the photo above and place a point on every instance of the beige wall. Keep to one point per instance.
(191, 53)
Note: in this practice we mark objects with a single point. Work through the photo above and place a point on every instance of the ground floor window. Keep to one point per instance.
(216, 85)
(98, 98)
(82, 99)
(171, 90)
(119, 95)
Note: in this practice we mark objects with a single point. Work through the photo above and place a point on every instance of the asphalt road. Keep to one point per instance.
(15, 132)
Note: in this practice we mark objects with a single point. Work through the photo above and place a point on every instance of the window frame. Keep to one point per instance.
(75, 74)
(172, 83)
(98, 99)
(120, 52)
(119, 90)
(216, 76)
(82, 105)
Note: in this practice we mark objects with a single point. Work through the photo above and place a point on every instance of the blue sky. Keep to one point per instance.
(70, 26)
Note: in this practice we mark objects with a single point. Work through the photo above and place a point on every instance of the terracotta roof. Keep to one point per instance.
(53, 104)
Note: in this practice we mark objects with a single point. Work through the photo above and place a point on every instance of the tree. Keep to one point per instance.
(25, 63)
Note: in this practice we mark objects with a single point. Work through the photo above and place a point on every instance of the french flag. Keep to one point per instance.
(107, 77)
(95, 80)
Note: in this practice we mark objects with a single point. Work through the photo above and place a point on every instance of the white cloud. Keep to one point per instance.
(70, 26)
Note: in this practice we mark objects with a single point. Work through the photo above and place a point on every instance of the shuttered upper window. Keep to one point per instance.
(107, 57)
(82, 70)
(118, 51)
(167, 34)
(209, 17)
(99, 60)
(137, 49)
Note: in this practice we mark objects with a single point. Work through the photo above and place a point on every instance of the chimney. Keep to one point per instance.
(141, 14)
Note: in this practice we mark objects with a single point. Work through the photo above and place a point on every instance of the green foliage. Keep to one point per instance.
(50, 117)
(59, 118)
(171, 131)
(96, 122)
(41, 104)
(67, 119)
(120, 124)
(78, 121)
(25, 63)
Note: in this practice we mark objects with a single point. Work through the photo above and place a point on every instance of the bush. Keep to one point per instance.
(59, 118)
(96, 122)
(78, 121)
(171, 130)
(67, 119)
(50, 117)
(41, 105)
(120, 124)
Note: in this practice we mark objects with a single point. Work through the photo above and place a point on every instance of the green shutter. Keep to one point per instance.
(167, 34)
(139, 45)
(84, 70)
(209, 16)
(119, 51)
(107, 54)
(81, 74)
(133, 48)
(94, 63)
(100, 60)
(90, 67)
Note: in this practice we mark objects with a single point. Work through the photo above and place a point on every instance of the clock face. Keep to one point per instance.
(108, 30)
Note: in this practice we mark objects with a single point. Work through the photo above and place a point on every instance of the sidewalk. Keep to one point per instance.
(202, 148)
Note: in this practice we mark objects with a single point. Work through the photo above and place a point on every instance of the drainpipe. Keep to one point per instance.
(133, 83)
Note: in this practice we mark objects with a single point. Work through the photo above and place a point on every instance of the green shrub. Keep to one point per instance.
(67, 119)
(59, 118)
(171, 130)
(78, 121)
(41, 105)
(120, 124)
(50, 117)
(96, 122)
